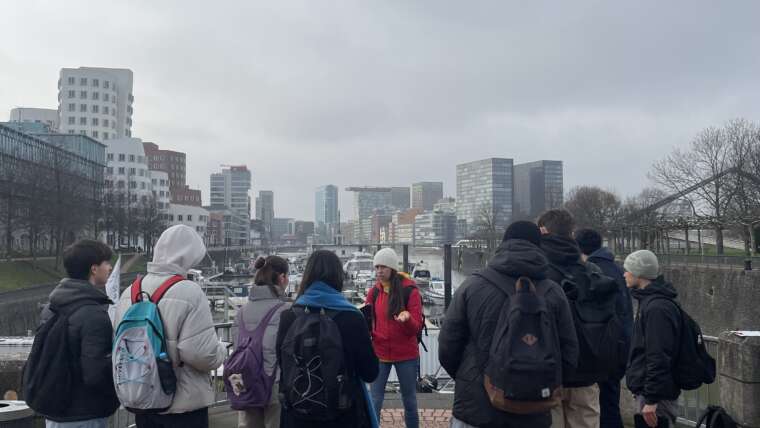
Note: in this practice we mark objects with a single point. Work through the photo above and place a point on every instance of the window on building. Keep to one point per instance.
(133, 198)
(83, 120)
(83, 95)
(122, 157)
(121, 184)
(105, 135)
(106, 84)
(72, 94)
(83, 108)
(72, 120)
(142, 185)
(142, 173)
(95, 133)
(83, 81)
(71, 131)
(189, 217)
(95, 121)
(72, 107)
(105, 108)
(109, 156)
(121, 170)
(96, 109)
(96, 95)
(133, 185)
(109, 170)
(171, 217)
(131, 158)
(71, 80)
(132, 171)
(105, 123)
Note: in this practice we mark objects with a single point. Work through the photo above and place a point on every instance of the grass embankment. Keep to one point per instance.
(25, 273)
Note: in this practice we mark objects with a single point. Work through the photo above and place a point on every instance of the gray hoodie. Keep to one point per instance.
(260, 301)
(192, 342)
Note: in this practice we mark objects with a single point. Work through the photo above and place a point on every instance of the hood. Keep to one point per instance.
(178, 249)
(603, 253)
(261, 292)
(560, 250)
(518, 257)
(70, 291)
(657, 287)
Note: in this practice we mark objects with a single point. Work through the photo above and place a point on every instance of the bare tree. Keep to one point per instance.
(593, 207)
(489, 227)
(744, 211)
(703, 170)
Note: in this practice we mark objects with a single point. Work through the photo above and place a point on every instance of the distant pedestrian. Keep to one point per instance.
(590, 243)
(472, 323)
(396, 322)
(325, 353)
(78, 309)
(593, 299)
(193, 347)
(655, 341)
(265, 302)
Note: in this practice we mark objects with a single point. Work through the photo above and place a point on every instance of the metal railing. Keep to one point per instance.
(692, 404)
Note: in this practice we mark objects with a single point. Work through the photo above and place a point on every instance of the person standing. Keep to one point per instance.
(397, 320)
(655, 341)
(80, 301)
(192, 344)
(590, 243)
(266, 295)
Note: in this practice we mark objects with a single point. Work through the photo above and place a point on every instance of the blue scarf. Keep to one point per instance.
(321, 295)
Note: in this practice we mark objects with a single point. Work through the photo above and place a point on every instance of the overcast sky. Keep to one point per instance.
(392, 92)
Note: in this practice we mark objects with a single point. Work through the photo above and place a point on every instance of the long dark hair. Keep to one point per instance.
(325, 266)
(268, 271)
(395, 295)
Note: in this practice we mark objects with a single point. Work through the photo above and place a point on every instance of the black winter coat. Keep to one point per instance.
(90, 342)
(564, 253)
(654, 344)
(465, 339)
(359, 358)
(604, 258)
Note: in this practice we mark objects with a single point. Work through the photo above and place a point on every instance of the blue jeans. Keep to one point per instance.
(407, 377)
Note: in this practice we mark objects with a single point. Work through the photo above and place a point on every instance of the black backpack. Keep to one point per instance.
(593, 302)
(315, 384)
(693, 364)
(407, 294)
(716, 417)
(524, 368)
(50, 368)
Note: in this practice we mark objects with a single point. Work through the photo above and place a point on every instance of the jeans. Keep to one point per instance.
(407, 377)
(91, 423)
(195, 419)
(609, 404)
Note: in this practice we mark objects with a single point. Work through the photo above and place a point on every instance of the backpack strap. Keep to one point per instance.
(264, 323)
(136, 289)
(496, 279)
(160, 291)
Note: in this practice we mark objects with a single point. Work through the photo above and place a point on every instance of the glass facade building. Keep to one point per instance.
(485, 193)
(426, 194)
(538, 187)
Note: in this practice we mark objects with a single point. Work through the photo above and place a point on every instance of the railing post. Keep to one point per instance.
(447, 275)
(406, 257)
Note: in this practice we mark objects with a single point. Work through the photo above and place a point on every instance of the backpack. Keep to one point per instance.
(314, 381)
(143, 375)
(593, 302)
(693, 364)
(49, 368)
(716, 417)
(247, 361)
(407, 295)
(523, 373)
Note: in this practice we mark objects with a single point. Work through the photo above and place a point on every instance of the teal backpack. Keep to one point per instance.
(142, 370)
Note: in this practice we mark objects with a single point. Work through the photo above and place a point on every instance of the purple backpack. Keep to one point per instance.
(247, 361)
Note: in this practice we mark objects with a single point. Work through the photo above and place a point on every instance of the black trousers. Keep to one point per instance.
(609, 404)
(195, 419)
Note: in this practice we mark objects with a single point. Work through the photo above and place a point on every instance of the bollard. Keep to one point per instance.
(748, 264)
(406, 258)
(446, 275)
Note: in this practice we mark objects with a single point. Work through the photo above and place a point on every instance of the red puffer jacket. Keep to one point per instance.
(394, 340)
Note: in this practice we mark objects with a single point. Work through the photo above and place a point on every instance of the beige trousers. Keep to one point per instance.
(579, 408)
(268, 417)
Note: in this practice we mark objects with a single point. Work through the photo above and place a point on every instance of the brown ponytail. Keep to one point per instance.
(395, 296)
(268, 271)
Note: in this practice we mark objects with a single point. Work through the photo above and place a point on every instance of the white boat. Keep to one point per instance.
(435, 292)
(359, 263)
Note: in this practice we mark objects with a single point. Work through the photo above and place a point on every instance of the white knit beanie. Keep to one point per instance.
(642, 263)
(386, 257)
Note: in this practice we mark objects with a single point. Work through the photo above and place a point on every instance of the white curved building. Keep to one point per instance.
(160, 185)
(96, 102)
(127, 169)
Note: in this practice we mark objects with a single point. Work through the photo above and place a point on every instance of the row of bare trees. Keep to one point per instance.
(717, 176)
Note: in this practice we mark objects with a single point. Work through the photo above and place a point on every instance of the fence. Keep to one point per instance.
(693, 403)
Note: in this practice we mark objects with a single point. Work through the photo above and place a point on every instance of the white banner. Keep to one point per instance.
(112, 287)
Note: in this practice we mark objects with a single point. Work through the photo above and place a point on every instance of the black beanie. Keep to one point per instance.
(523, 230)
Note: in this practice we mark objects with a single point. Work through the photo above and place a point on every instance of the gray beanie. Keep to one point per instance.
(642, 263)
(386, 257)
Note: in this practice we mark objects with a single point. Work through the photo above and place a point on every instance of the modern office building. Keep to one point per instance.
(230, 188)
(45, 116)
(538, 187)
(400, 198)
(484, 193)
(265, 210)
(426, 194)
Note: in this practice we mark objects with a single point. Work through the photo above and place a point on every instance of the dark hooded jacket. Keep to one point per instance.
(90, 339)
(604, 258)
(465, 339)
(656, 333)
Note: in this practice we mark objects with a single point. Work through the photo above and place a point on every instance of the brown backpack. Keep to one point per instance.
(499, 401)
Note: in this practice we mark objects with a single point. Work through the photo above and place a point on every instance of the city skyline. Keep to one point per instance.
(476, 89)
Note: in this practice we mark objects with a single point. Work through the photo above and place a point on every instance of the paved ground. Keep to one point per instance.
(429, 418)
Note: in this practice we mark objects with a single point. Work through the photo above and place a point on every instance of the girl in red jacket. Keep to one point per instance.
(397, 320)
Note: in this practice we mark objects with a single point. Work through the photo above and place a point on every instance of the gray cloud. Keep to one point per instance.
(391, 92)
